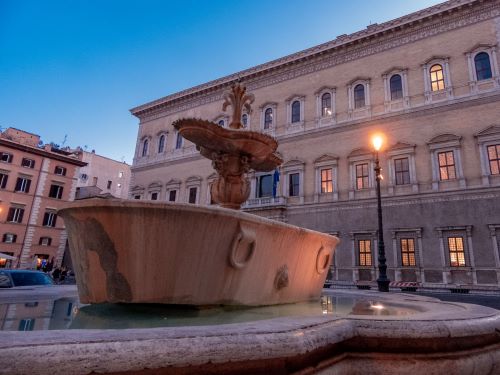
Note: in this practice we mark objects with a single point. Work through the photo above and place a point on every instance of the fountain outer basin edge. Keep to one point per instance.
(143, 252)
(439, 338)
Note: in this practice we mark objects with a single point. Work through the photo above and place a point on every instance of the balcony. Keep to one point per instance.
(266, 202)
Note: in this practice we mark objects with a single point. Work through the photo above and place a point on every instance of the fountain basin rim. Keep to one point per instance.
(138, 349)
(94, 203)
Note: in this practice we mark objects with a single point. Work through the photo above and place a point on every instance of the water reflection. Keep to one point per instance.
(68, 313)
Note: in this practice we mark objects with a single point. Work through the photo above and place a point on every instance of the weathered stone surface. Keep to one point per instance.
(128, 251)
(437, 338)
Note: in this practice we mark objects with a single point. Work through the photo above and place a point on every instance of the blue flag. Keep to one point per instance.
(276, 179)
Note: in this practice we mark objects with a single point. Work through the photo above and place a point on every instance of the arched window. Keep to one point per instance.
(145, 146)
(396, 85)
(359, 96)
(296, 111)
(244, 120)
(178, 141)
(437, 77)
(326, 104)
(268, 118)
(483, 66)
(221, 123)
(161, 144)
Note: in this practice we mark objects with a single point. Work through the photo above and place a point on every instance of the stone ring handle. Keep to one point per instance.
(322, 260)
(242, 248)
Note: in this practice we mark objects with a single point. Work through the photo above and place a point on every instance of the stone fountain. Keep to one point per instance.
(149, 252)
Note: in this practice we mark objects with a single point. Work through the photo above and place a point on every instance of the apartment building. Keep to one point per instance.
(35, 181)
(102, 175)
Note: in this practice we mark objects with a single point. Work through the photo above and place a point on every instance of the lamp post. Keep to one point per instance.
(382, 281)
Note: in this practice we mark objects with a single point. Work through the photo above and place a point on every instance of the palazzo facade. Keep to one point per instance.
(428, 81)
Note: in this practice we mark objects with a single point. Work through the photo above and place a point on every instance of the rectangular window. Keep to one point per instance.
(9, 238)
(61, 171)
(265, 186)
(365, 252)
(457, 253)
(192, 195)
(109, 184)
(28, 163)
(5, 157)
(446, 165)
(15, 215)
(137, 197)
(361, 176)
(154, 196)
(494, 159)
(3, 180)
(402, 171)
(23, 185)
(56, 191)
(294, 185)
(49, 219)
(408, 252)
(45, 241)
(326, 181)
(172, 194)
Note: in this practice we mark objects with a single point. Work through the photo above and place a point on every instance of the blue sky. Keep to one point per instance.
(75, 68)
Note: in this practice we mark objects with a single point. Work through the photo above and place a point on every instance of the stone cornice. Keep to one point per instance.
(376, 38)
(403, 200)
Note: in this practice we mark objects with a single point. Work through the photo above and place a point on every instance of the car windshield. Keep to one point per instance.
(30, 278)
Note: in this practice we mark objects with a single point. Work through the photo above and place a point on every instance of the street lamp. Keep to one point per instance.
(382, 281)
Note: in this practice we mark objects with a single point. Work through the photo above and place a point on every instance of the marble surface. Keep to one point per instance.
(439, 337)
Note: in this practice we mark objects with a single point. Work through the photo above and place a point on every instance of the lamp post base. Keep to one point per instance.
(383, 285)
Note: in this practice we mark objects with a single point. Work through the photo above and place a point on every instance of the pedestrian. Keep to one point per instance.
(64, 272)
(56, 274)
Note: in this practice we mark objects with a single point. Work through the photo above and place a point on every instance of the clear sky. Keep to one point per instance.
(73, 68)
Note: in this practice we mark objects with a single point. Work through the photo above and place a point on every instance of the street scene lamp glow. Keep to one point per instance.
(377, 142)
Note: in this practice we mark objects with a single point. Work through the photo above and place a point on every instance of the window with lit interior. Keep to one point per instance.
(437, 77)
(362, 176)
(326, 104)
(407, 252)
(365, 253)
(494, 159)
(457, 252)
(326, 181)
(446, 161)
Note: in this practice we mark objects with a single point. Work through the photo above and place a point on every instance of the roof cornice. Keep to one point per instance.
(37, 151)
(369, 34)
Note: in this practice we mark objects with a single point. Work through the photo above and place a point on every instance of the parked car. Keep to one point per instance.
(19, 278)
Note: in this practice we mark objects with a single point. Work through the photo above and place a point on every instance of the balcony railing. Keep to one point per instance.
(265, 202)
